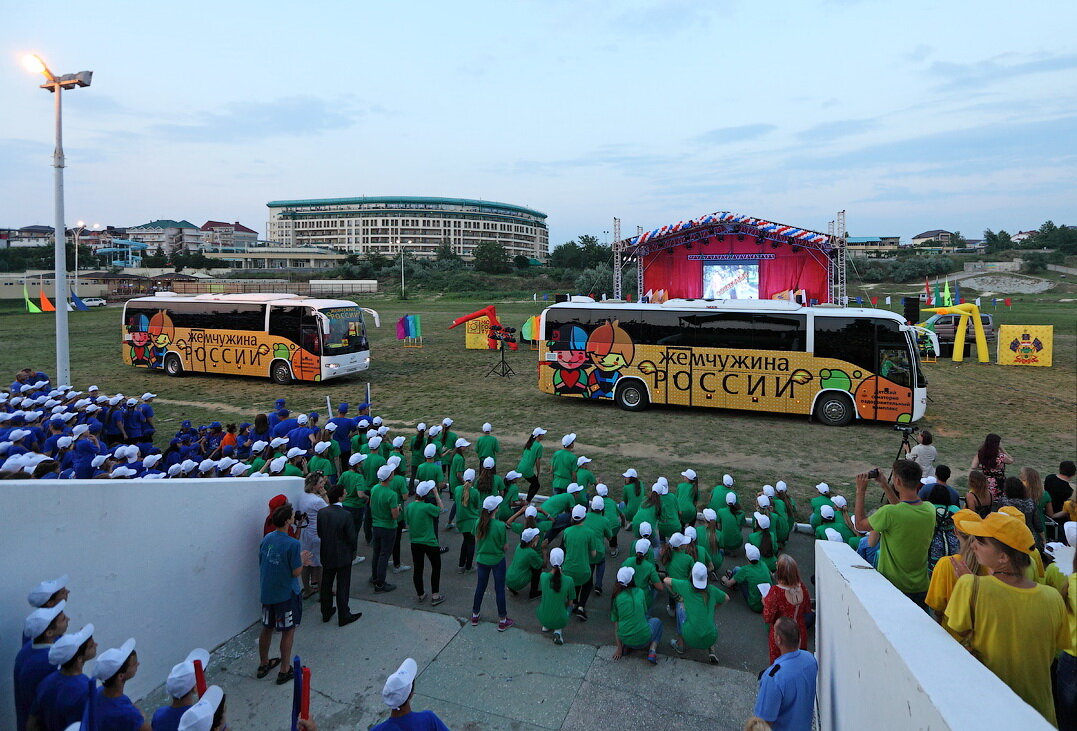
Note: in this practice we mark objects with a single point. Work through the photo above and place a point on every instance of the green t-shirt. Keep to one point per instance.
(526, 467)
(687, 495)
(836, 524)
(257, 463)
(646, 575)
(353, 483)
(699, 630)
(290, 470)
(456, 470)
(421, 517)
(467, 516)
(417, 444)
(552, 610)
(645, 514)
(680, 565)
(756, 539)
(370, 467)
(730, 522)
(816, 503)
(318, 463)
(905, 535)
(490, 549)
(670, 521)
(403, 460)
(487, 446)
(524, 560)
(633, 495)
(780, 515)
(629, 611)
(558, 504)
(585, 478)
(564, 468)
(382, 501)
(399, 483)
(753, 574)
(612, 514)
(598, 525)
(579, 542)
(429, 471)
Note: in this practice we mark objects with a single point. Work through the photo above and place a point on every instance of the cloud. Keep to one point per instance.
(920, 53)
(726, 135)
(295, 116)
(830, 131)
(963, 76)
(662, 17)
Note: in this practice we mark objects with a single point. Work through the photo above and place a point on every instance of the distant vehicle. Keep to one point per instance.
(281, 336)
(94, 302)
(945, 327)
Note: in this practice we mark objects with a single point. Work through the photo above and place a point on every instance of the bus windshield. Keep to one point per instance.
(347, 333)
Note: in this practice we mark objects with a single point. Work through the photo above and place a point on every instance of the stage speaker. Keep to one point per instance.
(560, 298)
(912, 309)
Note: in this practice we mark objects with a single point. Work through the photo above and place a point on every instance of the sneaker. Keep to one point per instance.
(460, 569)
(652, 657)
(358, 560)
(504, 624)
(557, 638)
(384, 588)
(614, 552)
(581, 614)
(670, 611)
(436, 599)
(401, 568)
(676, 647)
(713, 657)
(474, 620)
(451, 526)
(598, 591)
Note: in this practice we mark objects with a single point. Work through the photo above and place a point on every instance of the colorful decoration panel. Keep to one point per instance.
(1026, 345)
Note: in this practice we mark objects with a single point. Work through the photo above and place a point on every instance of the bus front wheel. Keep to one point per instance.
(280, 373)
(632, 396)
(834, 409)
(173, 366)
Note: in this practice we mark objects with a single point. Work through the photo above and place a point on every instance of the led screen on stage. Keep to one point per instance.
(731, 280)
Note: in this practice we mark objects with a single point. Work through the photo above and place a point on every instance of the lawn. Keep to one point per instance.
(1033, 408)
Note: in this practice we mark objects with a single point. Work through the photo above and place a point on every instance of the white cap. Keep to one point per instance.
(259, 446)
(44, 591)
(709, 515)
(181, 680)
(677, 540)
(469, 475)
(567, 439)
(643, 545)
(150, 460)
(174, 470)
(199, 717)
(424, 487)
(238, 469)
(929, 480)
(839, 501)
(434, 430)
(751, 552)
(730, 498)
(1071, 532)
(625, 574)
(487, 427)
(278, 442)
(488, 463)
(690, 533)
(430, 450)
(374, 442)
(597, 503)
(93, 389)
(763, 501)
(538, 431)
(384, 473)
(122, 472)
(512, 475)
(206, 465)
(645, 528)
(602, 490)
(661, 488)
(98, 460)
(557, 556)
(302, 419)
(826, 511)
(727, 480)
(356, 459)
(582, 461)
(111, 660)
(579, 512)
(833, 535)
(278, 464)
(461, 442)
(130, 402)
(79, 429)
(768, 490)
(114, 401)
(630, 472)
(321, 447)
(421, 426)
(377, 421)
(573, 487)
(780, 486)
(40, 619)
(699, 575)
(446, 422)
(148, 395)
(65, 647)
(491, 502)
(763, 521)
(529, 534)
(689, 473)
(295, 452)
(393, 461)
(398, 442)
(823, 488)
(530, 511)
(225, 463)
(331, 426)
(398, 686)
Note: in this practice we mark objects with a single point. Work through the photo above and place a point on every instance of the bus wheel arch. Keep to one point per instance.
(280, 372)
(632, 394)
(173, 365)
(834, 407)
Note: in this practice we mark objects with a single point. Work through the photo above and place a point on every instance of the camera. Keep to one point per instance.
(906, 429)
(873, 473)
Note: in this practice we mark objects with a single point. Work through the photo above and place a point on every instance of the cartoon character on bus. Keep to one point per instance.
(610, 349)
(138, 336)
(568, 378)
(162, 332)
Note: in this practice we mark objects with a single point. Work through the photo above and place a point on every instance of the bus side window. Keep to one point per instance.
(779, 332)
(851, 339)
(284, 322)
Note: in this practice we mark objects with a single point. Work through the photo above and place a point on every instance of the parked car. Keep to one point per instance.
(94, 302)
(945, 327)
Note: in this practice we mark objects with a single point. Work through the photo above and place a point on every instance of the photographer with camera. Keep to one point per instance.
(924, 453)
(905, 527)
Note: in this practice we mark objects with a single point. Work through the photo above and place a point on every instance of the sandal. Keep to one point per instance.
(286, 676)
(263, 670)
(652, 658)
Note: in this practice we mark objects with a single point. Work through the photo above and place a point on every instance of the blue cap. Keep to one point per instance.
(95, 427)
(313, 415)
(56, 423)
(280, 403)
(343, 408)
(364, 405)
(185, 424)
(228, 451)
(215, 425)
(244, 425)
(283, 413)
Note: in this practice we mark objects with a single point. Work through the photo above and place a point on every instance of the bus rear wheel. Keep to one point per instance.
(631, 396)
(173, 366)
(280, 373)
(834, 409)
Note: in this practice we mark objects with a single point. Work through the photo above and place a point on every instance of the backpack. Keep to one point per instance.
(943, 540)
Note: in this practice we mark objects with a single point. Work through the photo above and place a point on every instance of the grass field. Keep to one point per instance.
(1033, 408)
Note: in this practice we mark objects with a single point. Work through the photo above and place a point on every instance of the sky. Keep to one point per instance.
(909, 116)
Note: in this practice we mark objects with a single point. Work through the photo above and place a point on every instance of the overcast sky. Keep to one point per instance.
(911, 115)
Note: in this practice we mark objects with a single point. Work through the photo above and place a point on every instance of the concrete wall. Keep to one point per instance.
(172, 563)
(993, 266)
(884, 663)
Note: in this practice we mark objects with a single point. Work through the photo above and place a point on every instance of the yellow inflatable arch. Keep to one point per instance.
(966, 311)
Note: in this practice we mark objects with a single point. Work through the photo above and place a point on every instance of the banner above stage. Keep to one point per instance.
(726, 217)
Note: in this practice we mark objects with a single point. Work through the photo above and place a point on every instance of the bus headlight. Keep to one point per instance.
(332, 366)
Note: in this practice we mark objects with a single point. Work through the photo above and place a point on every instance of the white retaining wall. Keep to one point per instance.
(884, 663)
(172, 563)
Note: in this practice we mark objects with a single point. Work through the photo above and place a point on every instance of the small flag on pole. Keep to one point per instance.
(937, 300)
(927, 290)
(888, 300)
(957, 294)
(874, 301)
(46, 305)
(860, 301)
(977, 301)
(947, 298)
(30, 306)
(79, 304)
(1008, 302)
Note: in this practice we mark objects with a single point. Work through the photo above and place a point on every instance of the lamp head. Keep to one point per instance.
(34, 64)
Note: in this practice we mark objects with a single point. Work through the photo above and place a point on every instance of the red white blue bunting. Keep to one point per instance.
(726, 217)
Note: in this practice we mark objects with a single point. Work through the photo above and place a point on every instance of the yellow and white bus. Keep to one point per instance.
(836, 363)
(281, 336)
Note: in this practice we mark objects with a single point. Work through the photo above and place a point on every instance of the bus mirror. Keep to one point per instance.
(325, 323)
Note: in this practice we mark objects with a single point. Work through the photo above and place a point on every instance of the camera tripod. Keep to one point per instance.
(502, 367)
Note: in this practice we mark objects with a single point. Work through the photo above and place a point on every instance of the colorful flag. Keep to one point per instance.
(888, 300)
(874, 301)
(936, 300)
(927, 290)
(402, 328)
(957, 294)
(947, 298)
(977, 301)
(1008, 302)
(30, 306)
(79, 304)
(859, 301)
(46, 305)
(415, 326)
(994, 302)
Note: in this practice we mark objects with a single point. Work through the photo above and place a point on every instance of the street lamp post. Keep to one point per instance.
(56, 84)
(81, 227)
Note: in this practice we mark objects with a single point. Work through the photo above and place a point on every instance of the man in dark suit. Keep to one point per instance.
(337, 532)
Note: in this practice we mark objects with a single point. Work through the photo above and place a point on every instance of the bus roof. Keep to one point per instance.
(260, 298)
(776, 306)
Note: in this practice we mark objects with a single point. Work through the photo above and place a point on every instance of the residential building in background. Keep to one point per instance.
(220, 233)
(167, 234)
(387, 224)
(267, 255)
(872, 246)
(935, 236)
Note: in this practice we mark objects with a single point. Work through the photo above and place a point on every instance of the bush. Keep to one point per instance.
(904, 269)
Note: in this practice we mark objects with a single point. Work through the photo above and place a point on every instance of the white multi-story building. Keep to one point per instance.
(387, 224)
(222, 233)
(167, 234)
